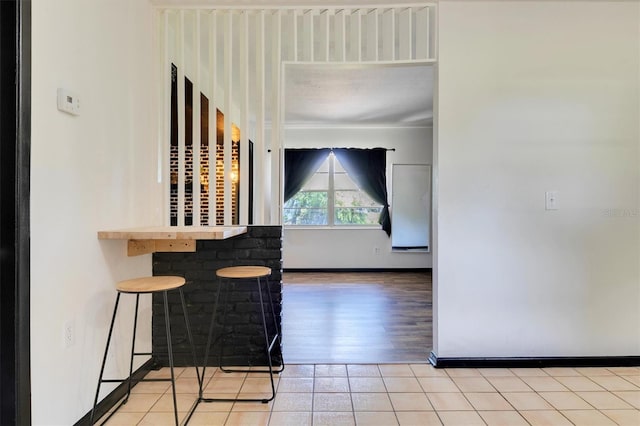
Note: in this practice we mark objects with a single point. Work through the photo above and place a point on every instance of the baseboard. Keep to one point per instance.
(116, 395)
(535, 362)
(356, 270)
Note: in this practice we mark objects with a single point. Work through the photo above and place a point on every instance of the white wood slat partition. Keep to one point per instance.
(165, 108)
(355, 39)
(244, 111)
(181, 116)
(405, 32)
(371, 41)
(276, 155)
(388, 35)
(325, 20)
(195, 145)
(212, 39)
(228, 113)
(234, 57)
(260, 151)
(339, 33)
(294, 34)
(422, 32)
(307, 36)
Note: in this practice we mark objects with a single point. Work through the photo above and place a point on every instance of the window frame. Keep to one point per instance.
(331, 207)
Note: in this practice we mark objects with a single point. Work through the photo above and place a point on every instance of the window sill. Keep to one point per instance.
(333, 228)
(410, 250)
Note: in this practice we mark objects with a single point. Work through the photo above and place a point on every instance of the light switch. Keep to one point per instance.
(551, 200)
(68, 102)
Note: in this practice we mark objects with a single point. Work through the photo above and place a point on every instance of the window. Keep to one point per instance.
(331, 198)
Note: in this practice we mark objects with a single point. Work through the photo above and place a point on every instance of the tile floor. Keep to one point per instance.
(398, 394)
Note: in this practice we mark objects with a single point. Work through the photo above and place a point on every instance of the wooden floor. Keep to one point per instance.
(356, 318)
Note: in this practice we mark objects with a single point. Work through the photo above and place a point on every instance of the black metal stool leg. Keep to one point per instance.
(104, 358)
(170, 351)
(222, 338)
(195, 361)
(268, 346)
(133, 348)
(267, 343)
(275, 324)
(190, 337)
(210, 335)
(145, 285)
(223, 326)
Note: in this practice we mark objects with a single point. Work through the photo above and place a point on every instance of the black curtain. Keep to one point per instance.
(367, 168)
(299, 166)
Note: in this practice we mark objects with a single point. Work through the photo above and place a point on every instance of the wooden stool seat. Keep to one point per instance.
(150, 284)
(244, 272)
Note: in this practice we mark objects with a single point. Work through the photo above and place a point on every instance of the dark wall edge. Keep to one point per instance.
(116, 395)
(356, 270)
(535, 362)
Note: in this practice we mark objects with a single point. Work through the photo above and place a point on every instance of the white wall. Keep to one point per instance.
(537, 96)
(354, 248)
(91, 172)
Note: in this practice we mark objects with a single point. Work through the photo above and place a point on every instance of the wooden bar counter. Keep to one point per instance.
(196, 253)
(154, 239)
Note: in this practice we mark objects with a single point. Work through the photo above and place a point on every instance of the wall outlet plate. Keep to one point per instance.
(69, 333)
(551, 200)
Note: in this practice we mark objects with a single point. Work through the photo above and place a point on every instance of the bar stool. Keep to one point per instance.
(226, 275)
(140, 286)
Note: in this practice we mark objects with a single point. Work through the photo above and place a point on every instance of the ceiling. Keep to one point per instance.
(358, 95)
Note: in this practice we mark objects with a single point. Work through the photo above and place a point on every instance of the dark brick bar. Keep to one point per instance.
(262, 246)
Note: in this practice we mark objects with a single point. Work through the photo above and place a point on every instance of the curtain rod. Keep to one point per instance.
(388, 149)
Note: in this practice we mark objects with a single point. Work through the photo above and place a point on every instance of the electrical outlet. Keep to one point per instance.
(551, 200)
(376, 251)
(69, 334)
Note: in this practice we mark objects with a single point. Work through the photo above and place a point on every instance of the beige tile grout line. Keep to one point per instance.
(612, 373)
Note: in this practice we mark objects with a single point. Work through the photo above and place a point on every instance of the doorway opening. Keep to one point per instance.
(348, 296)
